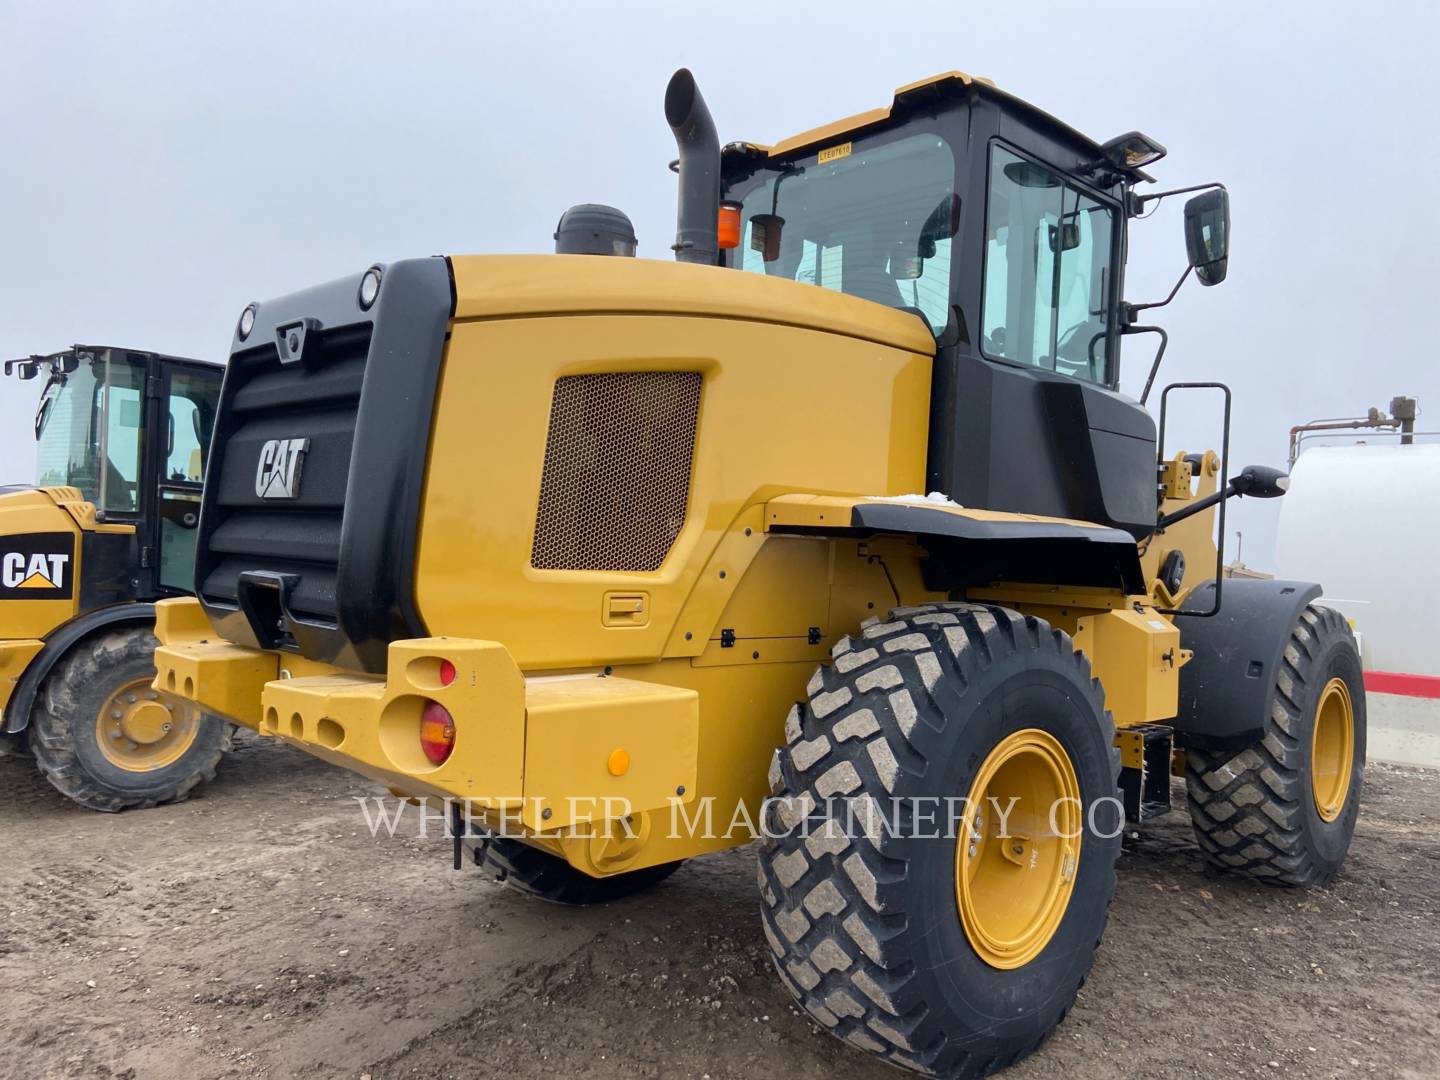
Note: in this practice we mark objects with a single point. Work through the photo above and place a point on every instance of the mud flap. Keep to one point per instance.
(1227, 688)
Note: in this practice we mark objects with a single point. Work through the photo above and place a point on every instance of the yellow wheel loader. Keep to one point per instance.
(108, 529)
(834, 532)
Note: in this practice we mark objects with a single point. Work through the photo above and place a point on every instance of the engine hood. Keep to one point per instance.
(501, 286)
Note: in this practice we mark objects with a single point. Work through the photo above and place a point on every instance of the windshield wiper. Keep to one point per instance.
(47, 399)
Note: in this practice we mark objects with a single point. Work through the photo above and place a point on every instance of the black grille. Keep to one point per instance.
(327, 569)
(617, 470)
(317, 400)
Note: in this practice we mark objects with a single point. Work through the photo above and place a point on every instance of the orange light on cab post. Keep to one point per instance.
(728, 226)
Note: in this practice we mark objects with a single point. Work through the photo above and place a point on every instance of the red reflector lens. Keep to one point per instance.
(437, 732)
(447, 672)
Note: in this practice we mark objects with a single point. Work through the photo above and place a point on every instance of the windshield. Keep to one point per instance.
(88, 430)
(874, 222)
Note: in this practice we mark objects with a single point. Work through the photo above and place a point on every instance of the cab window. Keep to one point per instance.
(872, 221)
(192, 410)
(1048, 271)
(191, 415)
(121, 403)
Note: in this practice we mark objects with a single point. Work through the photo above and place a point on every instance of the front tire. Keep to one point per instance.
(104, 739)
(1283, 810)
(950, 958)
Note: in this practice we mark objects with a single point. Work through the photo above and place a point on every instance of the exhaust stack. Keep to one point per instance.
(697, 215)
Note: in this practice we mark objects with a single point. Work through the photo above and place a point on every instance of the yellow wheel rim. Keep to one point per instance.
(1332, 750)
(1019, 848)
(141, 730)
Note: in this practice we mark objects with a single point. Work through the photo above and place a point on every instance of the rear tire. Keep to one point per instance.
(1265, 810)
(66, 729)
(547, 877)
(865, 920)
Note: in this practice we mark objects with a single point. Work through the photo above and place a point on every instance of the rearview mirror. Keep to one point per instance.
(765, 233)
(1207, 235)
(943, 223)
(1065, 237)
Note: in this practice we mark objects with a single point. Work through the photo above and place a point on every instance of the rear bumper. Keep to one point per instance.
(543, 751)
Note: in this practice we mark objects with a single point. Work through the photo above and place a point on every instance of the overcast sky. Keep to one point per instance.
(165, 163)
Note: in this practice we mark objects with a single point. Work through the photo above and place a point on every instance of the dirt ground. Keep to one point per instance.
(259, 930)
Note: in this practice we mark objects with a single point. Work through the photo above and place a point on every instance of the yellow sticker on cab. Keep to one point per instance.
(833, 153)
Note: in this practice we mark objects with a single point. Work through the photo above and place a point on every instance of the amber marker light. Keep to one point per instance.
(728, 225)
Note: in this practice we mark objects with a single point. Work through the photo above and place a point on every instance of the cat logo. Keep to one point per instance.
(277, 474)
(36, 567)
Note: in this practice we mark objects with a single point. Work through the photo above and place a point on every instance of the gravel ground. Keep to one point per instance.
(259, 930)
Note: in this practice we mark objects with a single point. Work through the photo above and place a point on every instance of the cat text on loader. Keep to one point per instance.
(108, 528)
(579, 540)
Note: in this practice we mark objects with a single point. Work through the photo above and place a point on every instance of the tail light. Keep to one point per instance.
(437, 732)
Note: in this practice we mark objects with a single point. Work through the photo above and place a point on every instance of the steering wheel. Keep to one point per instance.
(1075, 351)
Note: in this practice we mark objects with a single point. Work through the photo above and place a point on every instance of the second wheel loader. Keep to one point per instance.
(614, 553)
(108, 528)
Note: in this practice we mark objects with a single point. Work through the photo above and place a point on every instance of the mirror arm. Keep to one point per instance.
(1128, 314)
(1142, 200)
(1257, 481)
(1195, 507)
(1128, 326)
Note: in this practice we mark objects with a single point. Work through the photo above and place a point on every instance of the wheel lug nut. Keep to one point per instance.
(972, 851)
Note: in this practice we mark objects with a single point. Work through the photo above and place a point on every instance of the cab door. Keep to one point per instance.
(187, 415)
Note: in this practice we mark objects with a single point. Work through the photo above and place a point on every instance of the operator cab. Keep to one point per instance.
(96, 426)
(1004, 230)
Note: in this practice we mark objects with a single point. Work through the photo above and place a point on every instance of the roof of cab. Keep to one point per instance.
(934, 85)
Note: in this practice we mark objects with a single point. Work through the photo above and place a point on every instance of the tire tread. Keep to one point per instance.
(57, 714)
(1248, 807)
(863, 991)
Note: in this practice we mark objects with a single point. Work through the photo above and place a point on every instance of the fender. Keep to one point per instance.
(975, 547)
(57, 644)
(1228, 687)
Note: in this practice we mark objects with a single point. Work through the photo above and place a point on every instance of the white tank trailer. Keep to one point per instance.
(1365, 519)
